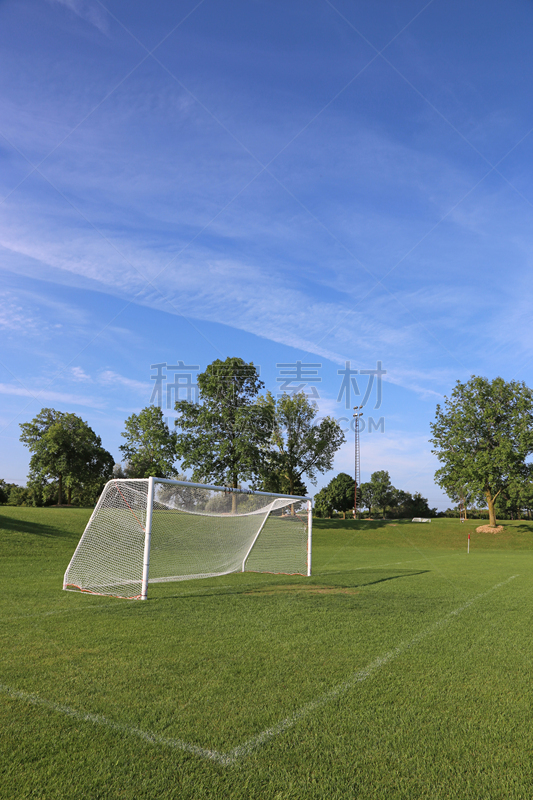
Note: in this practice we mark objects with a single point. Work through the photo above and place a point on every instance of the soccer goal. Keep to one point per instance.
(153, 530)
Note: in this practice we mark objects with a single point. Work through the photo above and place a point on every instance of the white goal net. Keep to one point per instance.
(152, 530)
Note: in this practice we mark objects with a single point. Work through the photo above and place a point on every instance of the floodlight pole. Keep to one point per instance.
(357, 456)
(309, 535)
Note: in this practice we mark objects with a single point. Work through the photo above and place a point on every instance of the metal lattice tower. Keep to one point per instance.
(357, 455)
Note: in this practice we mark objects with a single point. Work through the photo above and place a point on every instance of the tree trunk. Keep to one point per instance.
(235, 485)
(60, 491)
(69, 495)
(492, 514)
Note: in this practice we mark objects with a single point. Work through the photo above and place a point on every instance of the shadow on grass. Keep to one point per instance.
(398, 574)
(36, 528)
(306, 585)
(516, 527)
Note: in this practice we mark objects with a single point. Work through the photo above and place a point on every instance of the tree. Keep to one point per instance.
(526, 497)
(189, 497)
(400, 503)
(276, 479)
(367, 496)
(150, 448)
(514, 499)
(483, 436)
(382, 490)
(299, 446)
(20, 496)
(64, 449)
(323, 503)
(5, 488)
(223, 437)
(405, 504)
(464, 496)
(341, 491)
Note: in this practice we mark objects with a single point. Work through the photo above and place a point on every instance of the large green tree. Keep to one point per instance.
(341, 491)
(382, 489)
(378, 492)
(483, 436)
(64, 449)
(405, 504)
(150, 448)
(223, 437)
(299, 445)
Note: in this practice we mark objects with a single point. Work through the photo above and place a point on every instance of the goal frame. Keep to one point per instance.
(152, 482)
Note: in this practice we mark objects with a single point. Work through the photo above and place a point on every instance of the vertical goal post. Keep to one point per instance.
(153, 530)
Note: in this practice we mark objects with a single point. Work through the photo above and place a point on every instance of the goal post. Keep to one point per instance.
(152, 530)
(147, 539)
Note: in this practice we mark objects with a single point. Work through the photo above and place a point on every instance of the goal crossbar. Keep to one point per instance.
(155, 530)
(225, 489)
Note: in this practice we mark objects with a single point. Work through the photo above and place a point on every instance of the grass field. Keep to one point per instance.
(401, 669)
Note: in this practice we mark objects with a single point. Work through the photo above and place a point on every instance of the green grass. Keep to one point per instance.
(439, 706)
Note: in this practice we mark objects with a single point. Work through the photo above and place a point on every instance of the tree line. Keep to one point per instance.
(378, 496)
(482, 435)
(233, 434)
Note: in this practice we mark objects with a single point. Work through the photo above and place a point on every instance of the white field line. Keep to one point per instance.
(246, 749)
(97, 719)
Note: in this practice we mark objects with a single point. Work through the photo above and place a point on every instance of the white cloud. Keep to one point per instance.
(111, 378)
(78, 374)
(14, 317)
(53, 397)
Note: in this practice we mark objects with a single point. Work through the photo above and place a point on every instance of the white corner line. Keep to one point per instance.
(98, 719)
(247, 748)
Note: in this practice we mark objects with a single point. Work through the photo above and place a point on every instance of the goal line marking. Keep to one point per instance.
(247, 748)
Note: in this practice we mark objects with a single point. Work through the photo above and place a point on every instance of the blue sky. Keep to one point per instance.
(315, 182)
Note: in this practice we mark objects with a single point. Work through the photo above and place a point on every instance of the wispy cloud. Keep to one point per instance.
(87, 10)
(79, 375)
(264, 286)
(14, 317)
(111, 378)
(50, 396)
